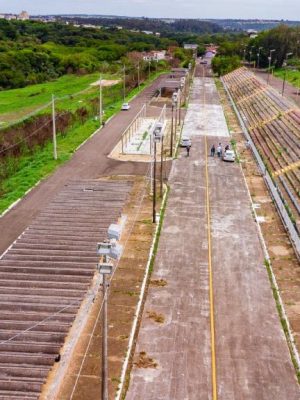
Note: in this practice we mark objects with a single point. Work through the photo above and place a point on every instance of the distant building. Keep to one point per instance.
(2, 16)
(23, 16)
(190, 46)
(148, 32)
(252, 33)
(155, 55)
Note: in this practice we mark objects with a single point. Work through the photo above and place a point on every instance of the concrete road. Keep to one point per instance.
(89, 162)
(213, 332)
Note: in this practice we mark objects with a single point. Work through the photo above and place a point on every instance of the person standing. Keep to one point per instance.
(212, 150)
(219, 150)
(188, 148)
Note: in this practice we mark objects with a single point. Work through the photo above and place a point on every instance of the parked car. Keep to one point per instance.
(185, 142)
(229, 156)
(125, 106)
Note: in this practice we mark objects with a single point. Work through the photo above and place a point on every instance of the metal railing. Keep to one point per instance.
(133, 127)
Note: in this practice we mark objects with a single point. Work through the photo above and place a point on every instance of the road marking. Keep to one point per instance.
(211, 294)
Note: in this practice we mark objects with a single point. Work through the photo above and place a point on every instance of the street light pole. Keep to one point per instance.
(54, 128)
(179, 107)
(172, 130)
(270, 61)
(284, 78)
(104, 341)
(100, 101)
(149, 70)
(258, 56)
(124, 83)
(161, 165)
(138, 69)
(154, 184)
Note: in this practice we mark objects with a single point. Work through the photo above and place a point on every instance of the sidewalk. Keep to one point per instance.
(173, 356)
(290, 91)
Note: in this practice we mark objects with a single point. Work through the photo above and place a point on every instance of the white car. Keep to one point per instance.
(125, 107)
(185, 142)
(229, 156)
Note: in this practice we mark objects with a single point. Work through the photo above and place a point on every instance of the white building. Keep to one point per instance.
(23, 16)
(155, 55)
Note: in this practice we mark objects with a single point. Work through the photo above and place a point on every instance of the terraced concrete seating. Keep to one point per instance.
(274, 125)
(44, 277)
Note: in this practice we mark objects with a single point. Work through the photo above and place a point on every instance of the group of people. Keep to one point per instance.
(219, 150)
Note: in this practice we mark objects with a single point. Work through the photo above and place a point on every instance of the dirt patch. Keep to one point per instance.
(144, 361)
(159, 318)
(106, 82)
(123, 297)
(158, 282)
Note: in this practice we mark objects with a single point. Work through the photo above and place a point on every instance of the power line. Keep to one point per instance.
(143, 193)
(25, 138)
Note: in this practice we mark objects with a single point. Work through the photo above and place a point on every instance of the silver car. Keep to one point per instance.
(229, 156)
(185, 142)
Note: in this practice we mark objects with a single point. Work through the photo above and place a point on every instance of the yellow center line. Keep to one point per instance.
(211, 294)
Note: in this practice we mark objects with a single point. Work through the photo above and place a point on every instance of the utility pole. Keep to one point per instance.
(270, 61)
(284, 78)
(149, 70)
(100, 102)
(172, 130)
(258, 56)
(179, 108)
(104, 341)
(161, 165)
(124, 83)
(138, 69)
(175, 125)
(54, 128)
(154, 183)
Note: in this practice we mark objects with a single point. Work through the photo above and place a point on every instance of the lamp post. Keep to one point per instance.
(138, 74)
(270, 61)
(100, 102)
(172, 128)
(250, 53)
(107, 250)
(156, 139)
(161, 165)
(285, 65)
(258, 56)
(176, 109)
(149, 72)
(124, 83)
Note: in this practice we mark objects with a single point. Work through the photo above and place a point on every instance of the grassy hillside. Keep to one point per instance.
(15, 103)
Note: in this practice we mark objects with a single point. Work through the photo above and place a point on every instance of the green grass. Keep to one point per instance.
(293, 77)
(17, 102)
(40, 164)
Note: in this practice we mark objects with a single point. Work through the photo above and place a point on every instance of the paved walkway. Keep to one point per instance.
(250, 353)
(89, 162)
(290, 91)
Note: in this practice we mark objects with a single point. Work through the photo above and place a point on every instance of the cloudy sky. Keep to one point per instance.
(267, 9)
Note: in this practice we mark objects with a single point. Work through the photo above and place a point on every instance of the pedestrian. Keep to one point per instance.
(227, 147)
(188, 150)
(212, 151)
(219, 150)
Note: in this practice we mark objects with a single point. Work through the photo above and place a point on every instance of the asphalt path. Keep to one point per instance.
(89, 162)
(289, 91)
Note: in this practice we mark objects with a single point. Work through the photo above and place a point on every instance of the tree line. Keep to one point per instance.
(34, 52)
